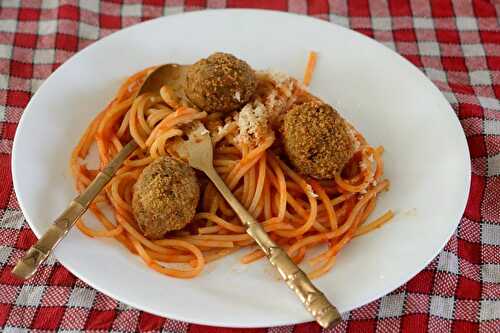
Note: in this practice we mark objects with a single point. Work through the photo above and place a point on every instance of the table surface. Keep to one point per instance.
(455, 43)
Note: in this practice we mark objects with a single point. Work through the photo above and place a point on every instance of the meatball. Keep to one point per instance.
(220, 82)
(317, 140)
(165, 197)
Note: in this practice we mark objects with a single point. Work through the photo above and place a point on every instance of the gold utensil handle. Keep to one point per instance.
(39, 252)
(314, 300)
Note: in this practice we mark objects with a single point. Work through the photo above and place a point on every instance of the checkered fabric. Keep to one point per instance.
(455, 43)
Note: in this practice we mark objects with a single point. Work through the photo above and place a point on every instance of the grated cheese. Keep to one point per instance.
(252, 120)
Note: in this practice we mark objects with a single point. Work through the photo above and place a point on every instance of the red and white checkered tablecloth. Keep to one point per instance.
(455, 43)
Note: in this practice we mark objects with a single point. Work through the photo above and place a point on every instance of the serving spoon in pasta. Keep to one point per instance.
(168, 74)
(198, 151)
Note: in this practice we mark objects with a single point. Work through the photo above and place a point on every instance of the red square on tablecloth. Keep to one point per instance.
(404, 35)
(149, 322)
(276, 5)
(68, 12)
(25, 239)
(477, 147)
(28, 14)
(442, 8)
(469, 251)
(4, 313)
(454, 64)
(358, 8)
(473, 208)
(48, 318)
(317, 7)
(109, 21)
(66, 42)
(61, 277)
(447, 36)
(211, 329)
(399, 8)
(421, 283)
(25, 40)
(415, 323)
(307, 328)
(460, 326)
(19, 69)
(483, 9)
(100, 320)
(365, 326)
(468, 289)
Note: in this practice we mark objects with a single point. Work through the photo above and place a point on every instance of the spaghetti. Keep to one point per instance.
(298, 213)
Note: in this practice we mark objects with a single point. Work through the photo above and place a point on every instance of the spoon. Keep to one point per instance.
(170, 74)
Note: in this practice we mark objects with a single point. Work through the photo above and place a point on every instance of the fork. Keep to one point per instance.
(197, 150)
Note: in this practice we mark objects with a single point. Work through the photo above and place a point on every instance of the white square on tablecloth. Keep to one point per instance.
(450, 97)
(488, 102)
(172, 10)
(480, 77)
(382, 23)
(466, 23)
(11, 218)
(473, 50)
(423, 23)
(448, 262)
(44, 56)
(436, 74)
(88, 31)
(8, 25)
(490, 233)
(391, 305)
(82, 297)
(490, 310)
(90, 5)
(30, 295)
(492, 127)
(442, 306)
(5, 252)
(429, 49)
(131, 10)
(490, 273)
(340, 20)
(5, 51)
(10, 3)
(47, 27)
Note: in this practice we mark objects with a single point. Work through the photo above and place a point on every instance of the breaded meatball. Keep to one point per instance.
(317, 140)
(165, 197)
(220, 82)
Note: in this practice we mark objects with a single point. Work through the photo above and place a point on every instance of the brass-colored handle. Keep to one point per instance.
(314, 300)
(39, 252)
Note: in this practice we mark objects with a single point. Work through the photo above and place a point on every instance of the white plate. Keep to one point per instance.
(387, 98)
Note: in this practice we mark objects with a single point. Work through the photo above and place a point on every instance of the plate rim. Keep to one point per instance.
(264, 322)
